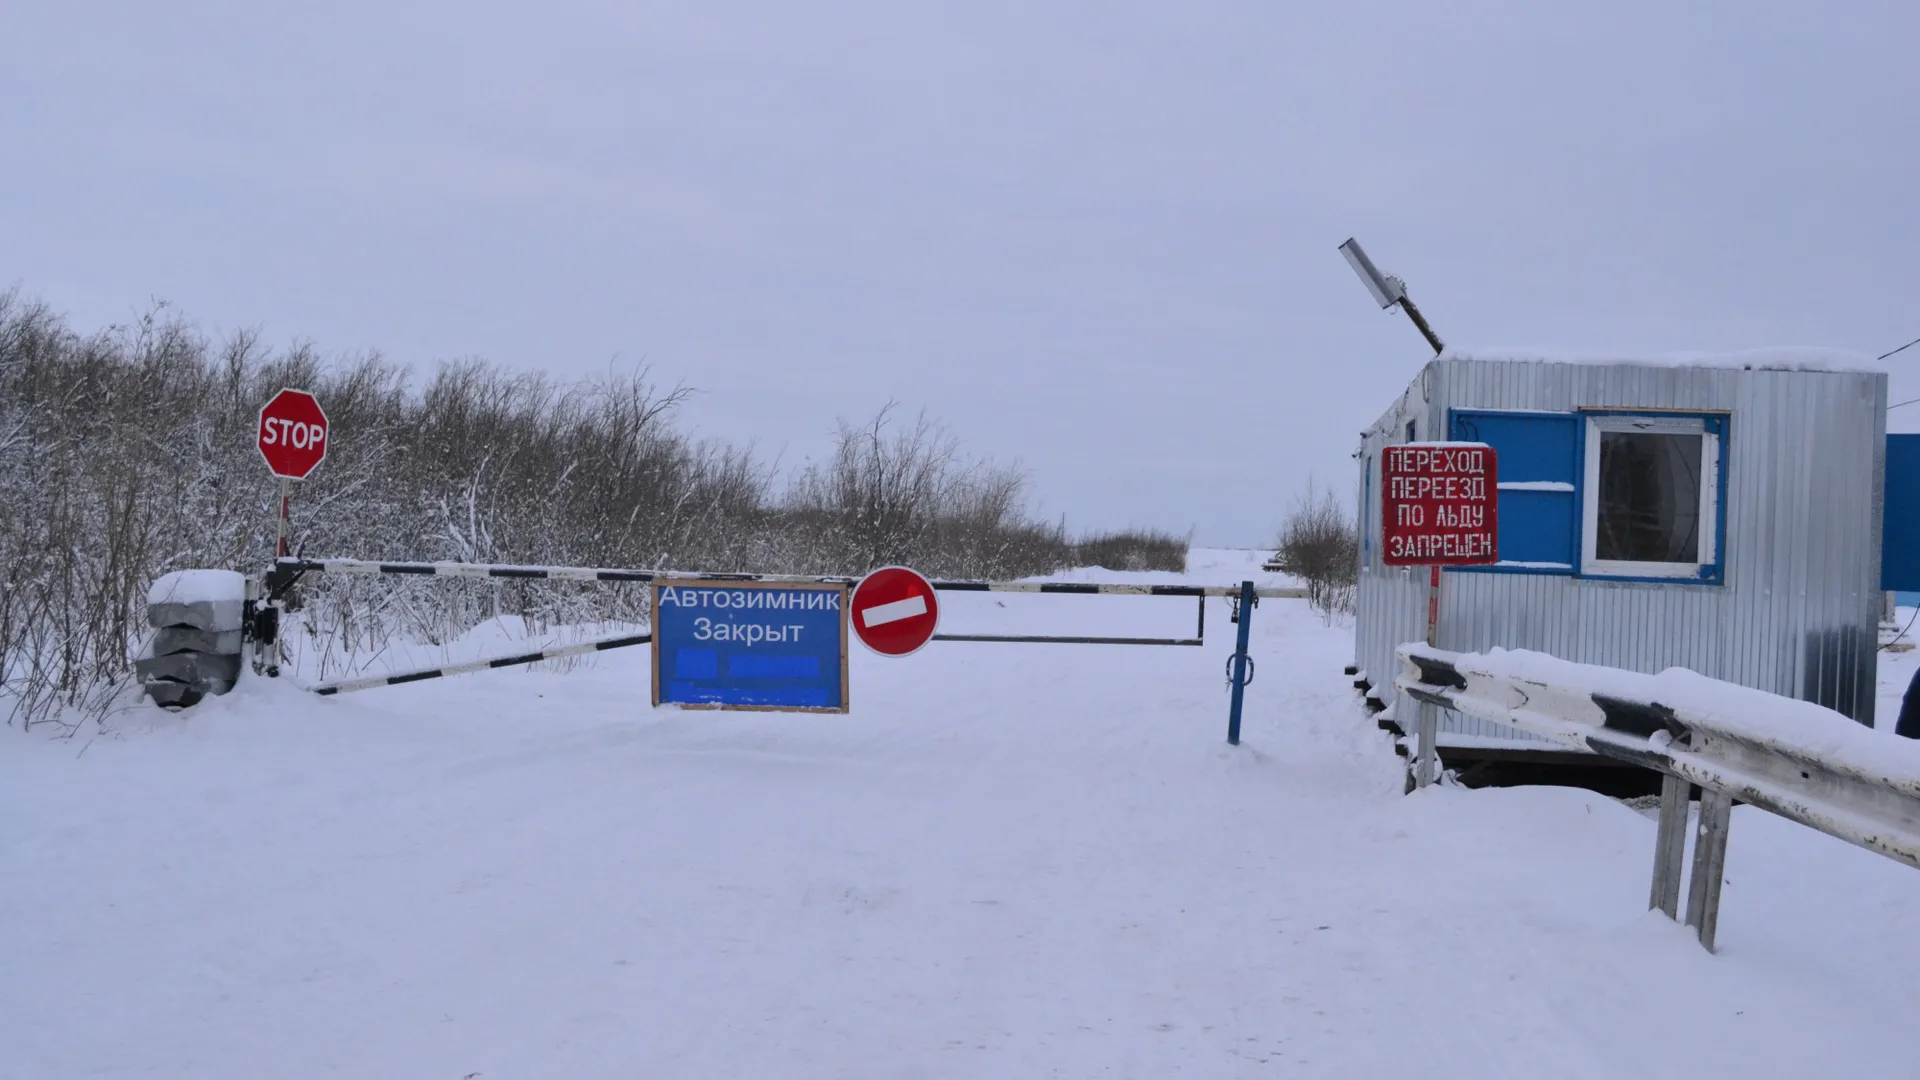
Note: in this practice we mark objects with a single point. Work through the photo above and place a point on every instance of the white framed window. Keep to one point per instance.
(1651, 501)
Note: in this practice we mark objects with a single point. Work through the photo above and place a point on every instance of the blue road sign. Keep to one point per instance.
(750, 645)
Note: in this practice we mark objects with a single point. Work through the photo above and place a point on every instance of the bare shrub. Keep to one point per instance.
(91, 486)
(1134, 549)
(1320, 545)
(896, 493)
(877, 500)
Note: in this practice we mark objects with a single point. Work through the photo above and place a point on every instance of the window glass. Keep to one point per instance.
(1649, 498)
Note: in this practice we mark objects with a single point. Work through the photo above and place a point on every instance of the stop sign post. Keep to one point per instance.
(292, 438)
(894, 611)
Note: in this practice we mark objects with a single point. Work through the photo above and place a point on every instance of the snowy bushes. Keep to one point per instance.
(1320, 545)
(905, 495)
(1134, 549)
(128, 453)
(99, 488)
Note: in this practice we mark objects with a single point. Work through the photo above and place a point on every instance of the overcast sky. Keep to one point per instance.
(1095, 238)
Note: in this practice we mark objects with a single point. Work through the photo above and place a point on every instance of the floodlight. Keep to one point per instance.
(1387, 290)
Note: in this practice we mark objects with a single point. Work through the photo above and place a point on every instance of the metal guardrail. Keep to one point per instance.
(1825, 788)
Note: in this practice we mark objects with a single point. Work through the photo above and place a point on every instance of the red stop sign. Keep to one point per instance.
(293, 434)
(894, 611)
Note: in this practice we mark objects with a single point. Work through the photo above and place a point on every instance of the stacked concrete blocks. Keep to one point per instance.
(196, 646)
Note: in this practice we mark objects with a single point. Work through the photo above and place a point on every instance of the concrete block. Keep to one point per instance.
(181, 695)
(214, 616)
(176, 639)
(189, 667)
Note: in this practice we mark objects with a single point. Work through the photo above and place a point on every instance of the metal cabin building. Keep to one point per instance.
(1717, 513)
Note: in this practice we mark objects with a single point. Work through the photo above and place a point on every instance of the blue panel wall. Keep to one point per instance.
(1900, 542)
(1539, 530)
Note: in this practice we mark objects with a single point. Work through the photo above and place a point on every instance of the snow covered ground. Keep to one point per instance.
(1008, 861)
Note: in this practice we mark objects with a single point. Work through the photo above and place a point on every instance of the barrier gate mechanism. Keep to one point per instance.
(267, 600)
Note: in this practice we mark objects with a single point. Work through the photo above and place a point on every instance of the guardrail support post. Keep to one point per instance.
(1426, 768)
(1709, 866)
(1240, 663)
(1670, 846)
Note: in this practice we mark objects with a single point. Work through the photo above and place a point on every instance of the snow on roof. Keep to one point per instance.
(1755, 714)
(1776, 359)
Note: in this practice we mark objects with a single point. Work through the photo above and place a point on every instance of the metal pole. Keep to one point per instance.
(1420, 321)
(286, 502)
(250, 628)
(1670, 847)
(1709, 865)
(1240, 663)
(1433, 606)
(1427, 768)
(282, 541)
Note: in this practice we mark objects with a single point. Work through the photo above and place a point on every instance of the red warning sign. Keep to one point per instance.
(1440, 504)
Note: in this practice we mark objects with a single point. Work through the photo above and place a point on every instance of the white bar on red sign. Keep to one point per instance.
(882, 614)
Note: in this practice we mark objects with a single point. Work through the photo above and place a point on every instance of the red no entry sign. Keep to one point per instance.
(894, 611)
(293, 434)
(1440, 504)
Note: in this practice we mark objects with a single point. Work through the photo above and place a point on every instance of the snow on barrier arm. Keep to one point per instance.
(1803, 762)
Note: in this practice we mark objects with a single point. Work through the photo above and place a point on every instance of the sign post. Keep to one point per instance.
(1439, 507)
(286, 507)
(292, 438)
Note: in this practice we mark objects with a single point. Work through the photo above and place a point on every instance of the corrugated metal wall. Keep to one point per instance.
(1798, 610)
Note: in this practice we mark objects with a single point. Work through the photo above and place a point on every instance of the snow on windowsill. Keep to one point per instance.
(1535, 485)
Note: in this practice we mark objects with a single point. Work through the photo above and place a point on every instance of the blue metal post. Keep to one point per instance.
(1240, 663)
